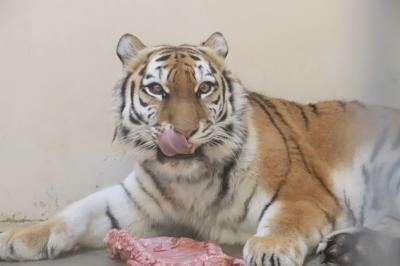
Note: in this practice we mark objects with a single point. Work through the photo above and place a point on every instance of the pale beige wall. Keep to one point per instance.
(58, 65)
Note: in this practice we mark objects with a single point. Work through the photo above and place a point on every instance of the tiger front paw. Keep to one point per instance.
(41, 241)
(274, 251)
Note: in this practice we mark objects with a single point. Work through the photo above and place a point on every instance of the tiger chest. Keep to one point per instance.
(225, 217)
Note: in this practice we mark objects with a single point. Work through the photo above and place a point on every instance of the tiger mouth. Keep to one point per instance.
(197, 153)
(173, 143)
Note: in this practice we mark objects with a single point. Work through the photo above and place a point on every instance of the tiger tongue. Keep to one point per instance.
(172, 143)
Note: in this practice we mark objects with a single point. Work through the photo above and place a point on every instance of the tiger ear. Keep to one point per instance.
(128, 47)
(218, 44)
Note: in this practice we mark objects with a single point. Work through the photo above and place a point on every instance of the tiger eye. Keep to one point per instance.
(204, 88)
(156, 89)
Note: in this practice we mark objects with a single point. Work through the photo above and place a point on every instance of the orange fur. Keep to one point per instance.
(36, 236)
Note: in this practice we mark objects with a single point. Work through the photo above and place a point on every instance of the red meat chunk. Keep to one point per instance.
(166, 251)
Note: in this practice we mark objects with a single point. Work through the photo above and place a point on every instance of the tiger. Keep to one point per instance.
(220, 162)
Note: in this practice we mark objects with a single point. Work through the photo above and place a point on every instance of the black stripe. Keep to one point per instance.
(279, 115)
(133, 119)
(362, 210)
(133, 200)
(278, 261)
(159, 68)
(246, 205)
(51, 252)
(151, 196)
(207, 135)
(212, 69)
(190, 50)
(271, 260)
(309, 169)
(396, 143)
(256, 98)
(194, 57)
(123, 91)
(227, 169)
(223, 116)
(142, 103)
(271, 105)
(166, 50)
(303, 114)
(225, 177)
(366, 175)
(137, 115)
(316, 176)
(163, 58)
(230, 88)
(228, 129)
(251, 261)
(12, 249)
(359, 104)
(156, 182)
(114, 136)
(364, 200)
(128, 193)
(274, 197)
(348, 206)
(125, 131)
(223, 93)
(215, 142)
(160, 187)
(378, 144)
(342, 105)
(142, 71)
(44, 251)
(314, 108)
(391, 173)
(263, 259)
(231, 101)
(217, 100)
(329, 217)
(228, 81)
(139, 142)
(111, 217)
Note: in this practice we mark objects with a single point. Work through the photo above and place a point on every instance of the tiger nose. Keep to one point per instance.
(186, 132)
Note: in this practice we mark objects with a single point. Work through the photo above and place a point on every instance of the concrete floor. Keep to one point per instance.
(91, 258)
(100, 257)
(85, 258)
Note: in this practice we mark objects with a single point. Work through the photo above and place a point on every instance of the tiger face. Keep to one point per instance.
(179, 102)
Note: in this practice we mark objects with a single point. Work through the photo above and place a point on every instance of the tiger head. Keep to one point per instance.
(179, 103)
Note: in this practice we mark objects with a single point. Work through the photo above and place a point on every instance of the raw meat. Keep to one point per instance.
(166, 251)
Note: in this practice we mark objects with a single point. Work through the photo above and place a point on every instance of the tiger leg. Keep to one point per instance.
(82, 224)
(286, 233)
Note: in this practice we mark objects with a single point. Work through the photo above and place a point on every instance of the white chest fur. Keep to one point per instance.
(198, 196)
